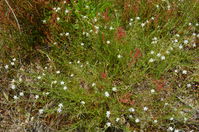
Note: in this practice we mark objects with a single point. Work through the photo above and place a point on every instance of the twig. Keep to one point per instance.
(13, 15)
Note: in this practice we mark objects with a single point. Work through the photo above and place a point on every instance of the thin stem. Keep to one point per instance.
(13, 15)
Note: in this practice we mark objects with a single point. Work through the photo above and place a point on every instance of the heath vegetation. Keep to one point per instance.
(99, 65)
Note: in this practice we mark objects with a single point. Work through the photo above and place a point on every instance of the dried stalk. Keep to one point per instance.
(13, 15)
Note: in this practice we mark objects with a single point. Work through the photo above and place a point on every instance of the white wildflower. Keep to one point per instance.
(137, 120)
(131, 110)
(145, 108)
(106, 94)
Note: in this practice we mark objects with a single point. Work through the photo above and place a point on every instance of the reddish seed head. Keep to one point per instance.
(103, 75)
(120, 33)
(126, 99)
(105, 15)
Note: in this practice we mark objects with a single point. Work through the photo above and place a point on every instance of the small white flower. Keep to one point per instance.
(162, 57)
(130, 116)
(152, 18)
(58, 72)
(85, 17)
(155, 39)
(143, 24)
(58, 18)
(82, 44)
(137, 18)
(71, 75)
(151, 60)
(21, 94)
(119, 56)
(87, 34)
(36, 96)
(44, 21)
(194, 44)
(65, 88)
(166, 104)
(93, 84)
(176, 130)
(82, 102)
(95, 19)
(169, 7)
(15, 97)
(60, 105)
(62, 82)
(145, 108)
(67, 34)
(186, 41)
(66, 11)
(171, 119)
(96, 27)
(114, 89)
(168, 52)
(176, 71)
(59, 110)
(190, 24)
(87, 7)
(184, 72)
(170, 129)
(78, 62)
(155, 121)
(158, 55)
(180, 46)
(54, 82)
(108, 42)
(6, 66)
(39, 77)
(131, 110)
(12, 86)
(131, 19)
(130, 24)
(152, 91)
(14, 59)
(108, 113)
(41, 111)
(152, 52)
(58, 8)
(175, 40)
(55, 43)
(188, 85)
(137, 120)
(106, 94)
(111, 28)
(47, 93)
(108, 124)
(197, 24)
(185, 119)
(194, 34)
(12, 63)
(117, 119)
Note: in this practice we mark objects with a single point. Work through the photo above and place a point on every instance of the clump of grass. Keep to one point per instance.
(107, 70)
